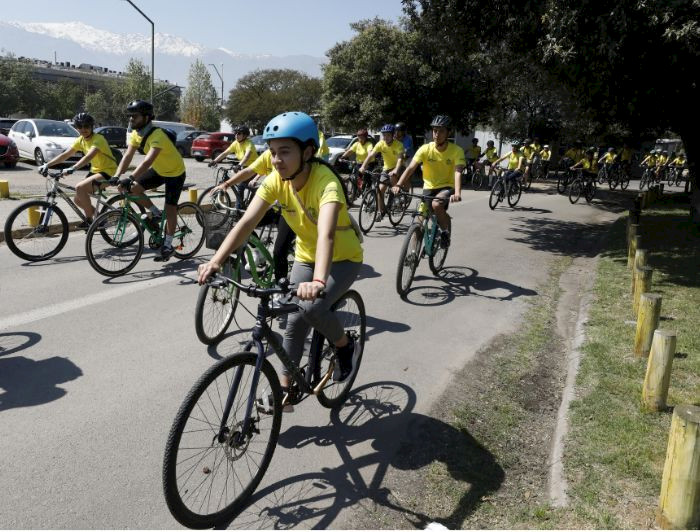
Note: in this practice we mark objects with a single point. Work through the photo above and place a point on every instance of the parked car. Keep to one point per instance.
(210, 145)
(184, 141)
(260, 144)
(175, 127)
(115, 135)
(6, 124)
(42, 140)
(337, 145)
(8, 152)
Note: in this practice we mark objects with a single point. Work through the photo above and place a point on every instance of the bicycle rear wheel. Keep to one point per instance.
(562, 183)
(121, 249)
(478, 179)
(589, 191)
(368, 210)
(575, 191)
(189, 230)
(216, 307)
(409, 258)
(437, 260)
(209, 474)
(497, 194)
(514, 192)
(35, 241)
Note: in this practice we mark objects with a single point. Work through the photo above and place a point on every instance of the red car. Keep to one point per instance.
(210, 145)
(8, 152)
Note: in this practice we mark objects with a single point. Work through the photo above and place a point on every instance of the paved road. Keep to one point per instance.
(92, 371)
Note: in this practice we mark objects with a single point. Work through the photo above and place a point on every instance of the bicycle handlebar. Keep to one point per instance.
(220, 281)
(425, 197)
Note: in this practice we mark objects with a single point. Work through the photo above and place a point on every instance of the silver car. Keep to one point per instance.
(42, 140)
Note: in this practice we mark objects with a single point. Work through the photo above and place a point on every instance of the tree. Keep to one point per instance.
(200, 105)
(19, 91)
(263, 94)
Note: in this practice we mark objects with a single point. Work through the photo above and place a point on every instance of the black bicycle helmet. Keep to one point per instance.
(245, 130)
(400, 126)
(83, 119)
(527, 141)
(141, 107)
(441, 121)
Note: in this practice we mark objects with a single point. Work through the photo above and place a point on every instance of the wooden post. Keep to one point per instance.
(640, 259)
(647, 322)
(640, 199)
(679, 503)
(193, 195)
(633, 231)
(642, 284)
(658, 376)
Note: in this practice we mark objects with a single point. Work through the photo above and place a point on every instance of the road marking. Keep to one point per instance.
(31, 316)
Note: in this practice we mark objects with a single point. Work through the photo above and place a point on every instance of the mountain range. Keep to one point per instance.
(78, 43)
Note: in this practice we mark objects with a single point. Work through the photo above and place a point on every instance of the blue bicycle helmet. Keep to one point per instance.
(292, 125)
(388, 128)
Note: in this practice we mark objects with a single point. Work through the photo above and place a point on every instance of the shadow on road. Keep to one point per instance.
(381, 415)
(57, 260)
(185, 269)
(14, 342)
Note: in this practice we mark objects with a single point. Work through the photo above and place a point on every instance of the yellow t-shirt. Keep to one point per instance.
(390, 152)
(590, 165)
(473, 152)
(322, 187)
(536, 147)
(651, 161)
(361, 151)
(263, 164)
(239, 149)
(323, 148)
(514, 160)
(103, 161)
(609, 158)
(661, 160)
(678, 161)
(546, 155)
(528, 152)
(574, 154)
(439, 166)
(626, 154)
(491, 154)
(169, 162)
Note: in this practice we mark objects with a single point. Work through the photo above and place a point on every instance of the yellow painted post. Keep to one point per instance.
(679, 503)
(4, 189)
(34, 216)
(647, 322)
(193, 195)
(658, 375)
(642, 284)
(633, 232)
(640, 259)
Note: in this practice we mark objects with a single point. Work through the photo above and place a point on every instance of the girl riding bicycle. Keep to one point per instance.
(328, 253)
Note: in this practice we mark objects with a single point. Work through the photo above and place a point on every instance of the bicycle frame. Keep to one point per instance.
(58, 189)
(126, 209)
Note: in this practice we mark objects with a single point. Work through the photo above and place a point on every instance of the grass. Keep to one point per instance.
(615, 452)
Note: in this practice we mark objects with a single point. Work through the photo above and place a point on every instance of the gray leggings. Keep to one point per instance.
(317, 314)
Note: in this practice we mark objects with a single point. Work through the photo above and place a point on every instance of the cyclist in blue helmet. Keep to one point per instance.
(328, 253)
(393, 153)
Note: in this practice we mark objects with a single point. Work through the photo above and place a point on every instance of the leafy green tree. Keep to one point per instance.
(263, 94)
(200, 104)
(19, 91)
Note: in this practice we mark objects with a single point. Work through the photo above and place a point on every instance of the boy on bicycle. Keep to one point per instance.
(163, 165)
(393, 153)
(443, 163)
(516, 162)
(244, 150)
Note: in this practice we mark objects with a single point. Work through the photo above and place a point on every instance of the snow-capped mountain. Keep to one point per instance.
(77, 43)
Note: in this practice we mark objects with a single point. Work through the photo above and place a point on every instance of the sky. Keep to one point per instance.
(276, 27)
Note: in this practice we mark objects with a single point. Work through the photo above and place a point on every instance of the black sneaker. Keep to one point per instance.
(85, 224)
(164, 253)
(153, 222)
(344, 355)
(445, 239)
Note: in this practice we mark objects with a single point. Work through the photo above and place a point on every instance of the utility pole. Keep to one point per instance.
(153, 49)
(222, 81)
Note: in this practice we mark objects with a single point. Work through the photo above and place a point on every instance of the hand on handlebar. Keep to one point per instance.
(205, 271)
(212, 164)
(124, 184)
(454, 198)
(396, 189)
(309, 291)
(43, 169)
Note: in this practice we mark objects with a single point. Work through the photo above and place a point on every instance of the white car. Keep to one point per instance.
(337, 146)
(42, 140)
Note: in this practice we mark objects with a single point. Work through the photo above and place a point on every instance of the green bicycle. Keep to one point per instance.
(115, 240)
(423, 238)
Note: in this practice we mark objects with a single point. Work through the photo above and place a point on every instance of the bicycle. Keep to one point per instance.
(208, 473)
(505, 188)
(396, 206)
(582, 185)
(647, 179)
(474, 173)
(422, 238)
(222, 174)
(32, 237)
(122, 235)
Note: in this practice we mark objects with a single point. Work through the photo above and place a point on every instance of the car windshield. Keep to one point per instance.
(51, 128)
(338, 142)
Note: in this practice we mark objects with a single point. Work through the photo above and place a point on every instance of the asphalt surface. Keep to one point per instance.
(93, 370)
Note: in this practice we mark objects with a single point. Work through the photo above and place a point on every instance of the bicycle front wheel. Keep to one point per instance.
(497, 194)
(575, 191)
(562, 183)
(368, 210)
(117, 202)
(437, 260)
(409, 258)
(189, 231)
(216, 307)
(205, 201)
(118, 252)
(350, 311)
(397, 208)
(209, 473)
(29, 233)
(514, 192)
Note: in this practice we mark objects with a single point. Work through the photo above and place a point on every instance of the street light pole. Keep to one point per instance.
(222, 81)
(153, 48)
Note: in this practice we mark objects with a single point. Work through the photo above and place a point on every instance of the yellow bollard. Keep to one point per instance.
(193, 195)
(642, 284)
(634, 242)
(658, 375)
(640, 259)
(34, 216)
(647, 323)
(4, 189)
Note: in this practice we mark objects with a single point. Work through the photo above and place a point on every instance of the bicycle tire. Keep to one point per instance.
(643, 180)
(513, 192)
(225, 199)
(437, 260)
(527, 183)
(189, 230)
(177, 498)
(575, 190)
(350, 189)
(396, 207)
(602, 176)
(562, 183)
(409, 258)
(115, 222)
(221, 175)
(110, 206)
(477, 180)
(497, 194)
(16, 235)
(368, 210)
(334, 394)
(589, 191)
(223, 303)
(624, 182)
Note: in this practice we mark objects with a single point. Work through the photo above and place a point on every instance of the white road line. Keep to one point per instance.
(31, 316)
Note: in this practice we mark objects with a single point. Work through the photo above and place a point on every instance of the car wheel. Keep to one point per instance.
(10, 164)
(198, 158)
(215, 154)
(38, 157)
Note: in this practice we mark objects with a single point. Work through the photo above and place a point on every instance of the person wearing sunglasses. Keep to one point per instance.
(96, 151)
